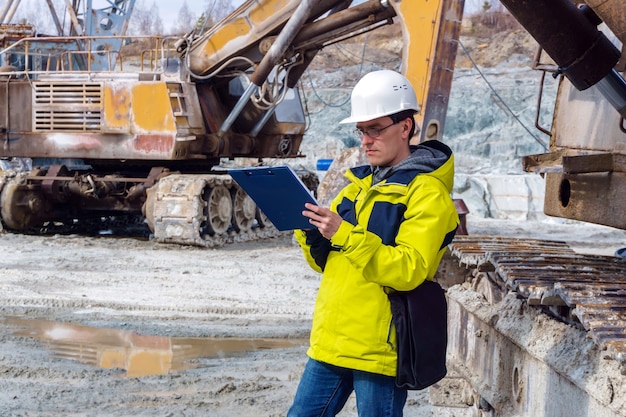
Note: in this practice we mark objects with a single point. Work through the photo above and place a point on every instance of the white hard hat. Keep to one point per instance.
(381, 93)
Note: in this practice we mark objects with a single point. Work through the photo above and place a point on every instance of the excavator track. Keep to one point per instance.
(587, 291)
(503, 294)
(200, 210)
(207, 210)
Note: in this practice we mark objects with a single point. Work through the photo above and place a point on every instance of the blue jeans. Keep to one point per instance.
(324, 390)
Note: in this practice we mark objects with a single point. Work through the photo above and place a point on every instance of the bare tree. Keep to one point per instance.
(37, 14)
(140, 20)
(157, 25)
(145, 20)
(186, 21)
(216, 10)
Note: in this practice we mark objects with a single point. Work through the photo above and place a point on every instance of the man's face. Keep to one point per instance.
(390, 146)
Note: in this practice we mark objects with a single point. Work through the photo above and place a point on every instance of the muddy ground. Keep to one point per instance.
(106, 326)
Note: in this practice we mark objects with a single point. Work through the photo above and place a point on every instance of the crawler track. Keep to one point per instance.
(535, 329)
(588, 291)
(198, 210)
(206, 210)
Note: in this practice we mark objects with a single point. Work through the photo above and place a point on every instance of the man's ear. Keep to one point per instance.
(407, 124)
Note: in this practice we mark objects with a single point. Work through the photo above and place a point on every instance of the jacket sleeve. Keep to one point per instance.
(315, 247)
(429, 223)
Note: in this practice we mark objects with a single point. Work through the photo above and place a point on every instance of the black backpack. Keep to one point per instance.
(421, 320)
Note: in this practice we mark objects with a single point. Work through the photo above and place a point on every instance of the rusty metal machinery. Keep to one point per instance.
(535, 329)
(106, 124)
(584, 170)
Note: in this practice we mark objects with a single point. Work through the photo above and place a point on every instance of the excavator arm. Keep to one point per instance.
(430, 33)
(264, 34)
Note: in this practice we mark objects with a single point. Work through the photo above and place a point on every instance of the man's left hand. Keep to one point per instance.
(326, 221)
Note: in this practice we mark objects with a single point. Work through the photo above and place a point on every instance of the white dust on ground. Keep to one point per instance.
(250, 290)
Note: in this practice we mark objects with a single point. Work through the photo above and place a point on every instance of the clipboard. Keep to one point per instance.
(278, 192)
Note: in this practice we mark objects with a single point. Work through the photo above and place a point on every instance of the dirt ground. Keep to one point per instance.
(137, 298)
(105, 326)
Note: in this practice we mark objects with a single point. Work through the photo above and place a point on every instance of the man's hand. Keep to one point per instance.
(326, 221)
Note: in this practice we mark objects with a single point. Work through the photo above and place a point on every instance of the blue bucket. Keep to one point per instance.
(324, 164)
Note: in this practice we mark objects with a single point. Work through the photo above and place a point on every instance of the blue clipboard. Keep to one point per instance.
(278, 192)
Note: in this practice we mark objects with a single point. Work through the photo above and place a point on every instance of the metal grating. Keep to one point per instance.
(550, 274)
(67, 107)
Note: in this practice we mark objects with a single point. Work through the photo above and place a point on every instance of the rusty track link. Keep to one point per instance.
(585, 290)
(184, 210)
(208, 210)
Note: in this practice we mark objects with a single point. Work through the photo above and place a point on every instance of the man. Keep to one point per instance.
(388, 228)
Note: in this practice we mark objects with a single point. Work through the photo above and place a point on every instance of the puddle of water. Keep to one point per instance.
(138, 355)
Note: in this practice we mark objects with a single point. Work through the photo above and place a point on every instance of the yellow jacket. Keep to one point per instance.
(393, 234)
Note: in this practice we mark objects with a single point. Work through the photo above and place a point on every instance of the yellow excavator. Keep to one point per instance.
(112, 133)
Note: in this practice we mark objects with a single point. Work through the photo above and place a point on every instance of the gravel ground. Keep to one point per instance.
(105, 326)
(82, 317)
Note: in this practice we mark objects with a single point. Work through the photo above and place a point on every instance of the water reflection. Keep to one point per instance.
(138, 355)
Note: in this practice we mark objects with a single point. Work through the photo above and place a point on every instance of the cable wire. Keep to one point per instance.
(539, 141)
(347, 100)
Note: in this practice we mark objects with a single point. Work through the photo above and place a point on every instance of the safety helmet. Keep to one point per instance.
(381, 93)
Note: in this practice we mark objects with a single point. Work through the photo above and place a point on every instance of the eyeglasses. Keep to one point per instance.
(370, 131)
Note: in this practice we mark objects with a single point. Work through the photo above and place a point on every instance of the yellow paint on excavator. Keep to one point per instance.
(116, 108)
(151, 108)
(420, 23)
(251, 22)
(138, 108)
